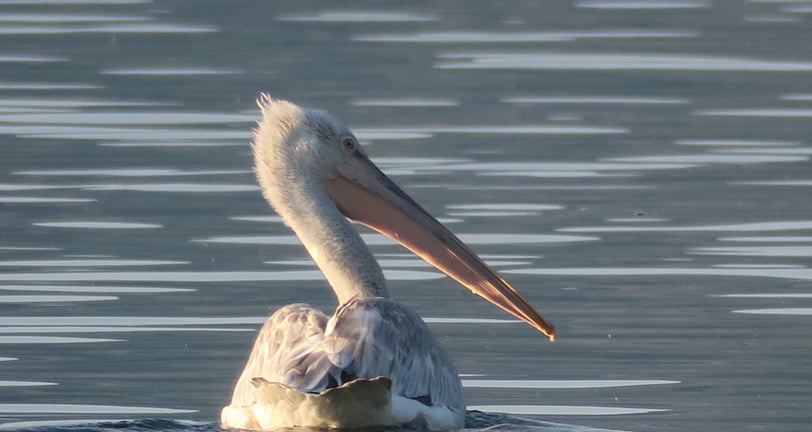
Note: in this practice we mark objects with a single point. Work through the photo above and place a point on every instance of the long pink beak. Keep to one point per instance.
(365, 194)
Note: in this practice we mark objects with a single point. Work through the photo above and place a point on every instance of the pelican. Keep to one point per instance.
(374, 362)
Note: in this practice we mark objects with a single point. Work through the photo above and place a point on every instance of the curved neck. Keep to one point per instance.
(335, 246)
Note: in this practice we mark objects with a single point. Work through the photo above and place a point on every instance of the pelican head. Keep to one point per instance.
(310, 165)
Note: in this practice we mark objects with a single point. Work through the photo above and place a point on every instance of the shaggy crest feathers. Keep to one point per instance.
(295, 151)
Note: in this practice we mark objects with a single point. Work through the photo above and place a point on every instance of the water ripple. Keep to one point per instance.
(804, 97)
(175, 187)
(766, 295)
(533, 129)
(77, 103)
(71, 18)
(94, 289)
(506, 206)
(641, 5)
(602, 61)
(5, 383)
(358, 17)
(563, 410)
(35, 86)
(800, 273)
(499, 210)
(133, 27)
(97, 225)
(757, 226)
(76, 2)
(22, 408)
(124, 321)
(128, 172)
(38, 340)
(774, 183)
(560, 384)
(405, 102)
(27, 299)
(127, 118)
(594, 100)
(116, 329)
(736, 143)
(518, 37)
(563, 168)
(712, 159)
(771, 239)
(755, 251)
(758, 112)
(88, 263)
(170, 71)
(776, 311)
(11, 58)
(43, 200)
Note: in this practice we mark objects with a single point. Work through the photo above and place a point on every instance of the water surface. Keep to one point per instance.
(639, 170)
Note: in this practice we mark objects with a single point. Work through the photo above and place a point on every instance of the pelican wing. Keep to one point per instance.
(303, 356)
(375, 337)
(287, 348)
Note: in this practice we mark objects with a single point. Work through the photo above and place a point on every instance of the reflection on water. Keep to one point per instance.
(562, 410)
(175, 187)
(531, 129)
(592, 100)
(777, 311)
(65, 103)
(769, 295)
(39, 340)
(561, 384)
(88, 262)
(743, 227)
(49, 18)
(10, 58)
(778, 273)
(519, 37)
(639, 170)
(25, 383)
(43, 200)
(138, 28)
(359, 16)
(600, 61)
(405, 102)
(169, 71)
(773, 251)
(126, 118)
(34, 86)
(27, 299)
(94, 289)
(85, 409)
(735, 143)
(97, 225)
(128, 172)
(759, 112)
(641, 5)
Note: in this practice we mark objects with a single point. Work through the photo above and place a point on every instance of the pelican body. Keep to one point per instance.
(374, 362)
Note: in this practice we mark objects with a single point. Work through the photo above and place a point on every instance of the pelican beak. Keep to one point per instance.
(365, 194)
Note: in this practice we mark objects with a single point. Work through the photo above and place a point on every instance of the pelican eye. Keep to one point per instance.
(349, 144)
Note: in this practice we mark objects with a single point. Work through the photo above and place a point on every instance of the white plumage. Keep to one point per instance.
(374, 362)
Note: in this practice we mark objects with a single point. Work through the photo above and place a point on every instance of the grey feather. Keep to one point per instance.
(366, 338)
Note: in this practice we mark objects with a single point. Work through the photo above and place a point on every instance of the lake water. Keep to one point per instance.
(639, 170)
